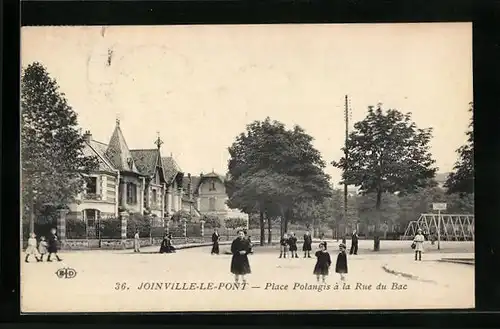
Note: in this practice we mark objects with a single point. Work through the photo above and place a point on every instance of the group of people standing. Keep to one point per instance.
(39, 249)
(166, 244)
(241, 247)
(289, 243)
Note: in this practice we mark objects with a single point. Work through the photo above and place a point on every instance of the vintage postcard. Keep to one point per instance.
(247, 168)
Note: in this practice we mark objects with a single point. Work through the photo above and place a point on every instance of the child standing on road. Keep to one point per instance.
(321, 269)
(283, 245)
(419, 244)
(31, 249)
(341, 265)
(42, 247)
(306, 248)
(292, 242)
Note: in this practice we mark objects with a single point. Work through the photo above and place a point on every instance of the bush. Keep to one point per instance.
(193, 230)
(212, 221)
(138, 222)
(111, 228)
(181, 215)
(158, 232)
(235, 223)
(76, 229)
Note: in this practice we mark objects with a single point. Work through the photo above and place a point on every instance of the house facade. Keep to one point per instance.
(210, 196)
(126, 182)
(141, 181)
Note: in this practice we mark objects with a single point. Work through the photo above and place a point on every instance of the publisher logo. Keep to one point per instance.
(66, 273)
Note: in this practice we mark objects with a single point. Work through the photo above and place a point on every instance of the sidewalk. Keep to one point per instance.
(150, 249)
(431, 269)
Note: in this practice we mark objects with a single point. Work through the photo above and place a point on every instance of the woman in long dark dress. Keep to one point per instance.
(341, 265)
(307, 246)
(215, 242)
(164, 248)
(292, 242)
(323, 262)
(170, 246)
(240, 266)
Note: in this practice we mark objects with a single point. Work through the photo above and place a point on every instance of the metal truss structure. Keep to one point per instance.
(453, 227)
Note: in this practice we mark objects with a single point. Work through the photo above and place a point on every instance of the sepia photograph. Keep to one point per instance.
(283, 167)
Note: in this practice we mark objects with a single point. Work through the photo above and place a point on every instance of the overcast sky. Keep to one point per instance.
(199, 86)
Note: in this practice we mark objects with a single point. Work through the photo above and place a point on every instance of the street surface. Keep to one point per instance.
(99, 273)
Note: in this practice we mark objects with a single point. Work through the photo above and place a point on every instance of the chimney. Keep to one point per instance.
(87, 136)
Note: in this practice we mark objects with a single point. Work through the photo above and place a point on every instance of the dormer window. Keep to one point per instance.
(212, 186)
(129, 162)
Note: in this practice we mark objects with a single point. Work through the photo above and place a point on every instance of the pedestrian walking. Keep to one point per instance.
(170, 244)
(418, 242)
(215, 242)
(283, 246)
(52, 245)
(341, 265)
(292, 242)
(307, 246)
(323, 262)
(42, 247)
(31, 249)
(354, 243)
(137, 242)
(240, 265)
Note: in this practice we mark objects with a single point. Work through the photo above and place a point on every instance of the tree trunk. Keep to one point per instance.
(285, 226)
(269, 235)
(376, 235)
(32, 218)
(262, 231)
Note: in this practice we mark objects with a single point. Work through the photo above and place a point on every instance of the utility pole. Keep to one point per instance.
(346, 154)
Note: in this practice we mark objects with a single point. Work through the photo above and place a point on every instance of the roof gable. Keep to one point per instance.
(198, 180)
(146, 160)
(119, 153)
(170, 168)
(93, 148)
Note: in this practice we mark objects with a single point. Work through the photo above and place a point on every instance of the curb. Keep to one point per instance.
(464, 261)
(406, 275)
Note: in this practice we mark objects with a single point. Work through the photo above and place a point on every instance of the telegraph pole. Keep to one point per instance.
(346, 154)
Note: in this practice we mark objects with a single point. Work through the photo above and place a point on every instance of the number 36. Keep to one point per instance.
(120, 286)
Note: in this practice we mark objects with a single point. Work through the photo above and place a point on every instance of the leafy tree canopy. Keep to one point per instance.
(461, 180)
(53, 162)
(388, 153)
(271, 168)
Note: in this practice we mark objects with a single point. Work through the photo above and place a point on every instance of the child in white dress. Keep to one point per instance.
(31, 249)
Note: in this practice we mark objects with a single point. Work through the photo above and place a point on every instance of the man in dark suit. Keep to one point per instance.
(354, 243)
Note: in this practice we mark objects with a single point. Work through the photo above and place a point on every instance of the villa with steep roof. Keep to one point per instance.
(127, 181)
(141, 181)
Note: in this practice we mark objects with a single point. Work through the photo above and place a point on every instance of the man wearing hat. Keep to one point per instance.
(419, 244)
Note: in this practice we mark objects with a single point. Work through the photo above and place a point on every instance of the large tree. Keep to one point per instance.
(271, 168)
(461, 180)
(53, 162)
(387, 152)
